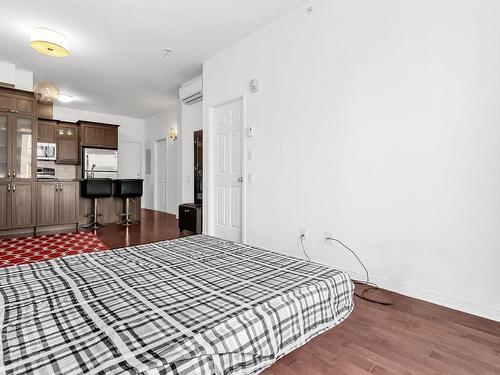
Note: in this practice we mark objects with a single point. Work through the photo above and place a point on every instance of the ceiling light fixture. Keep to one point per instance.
(49, 42)
(65, 98)
(46, 92)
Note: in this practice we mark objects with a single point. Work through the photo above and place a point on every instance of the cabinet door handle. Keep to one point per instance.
(13, 188)
(14, 173)
(8, 188)
(8, 173)
(57, 188)
(60, 187)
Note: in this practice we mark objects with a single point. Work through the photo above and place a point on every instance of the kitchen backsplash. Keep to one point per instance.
(63, 171)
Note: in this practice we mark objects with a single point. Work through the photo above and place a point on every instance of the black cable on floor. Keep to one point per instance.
(368, 283)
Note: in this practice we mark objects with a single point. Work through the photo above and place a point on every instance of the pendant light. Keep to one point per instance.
(49, 42)
(46, 92)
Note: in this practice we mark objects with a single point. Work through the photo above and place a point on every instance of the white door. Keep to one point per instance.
(161, 174)
(228, 124)
(129, 159)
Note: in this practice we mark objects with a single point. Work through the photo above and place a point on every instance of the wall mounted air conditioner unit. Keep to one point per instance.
(192, 91)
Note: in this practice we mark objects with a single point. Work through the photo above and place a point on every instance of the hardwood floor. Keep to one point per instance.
(154, 226)
(409, 337)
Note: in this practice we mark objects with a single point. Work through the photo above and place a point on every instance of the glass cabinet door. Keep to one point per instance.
(4, 146)
(23, 142)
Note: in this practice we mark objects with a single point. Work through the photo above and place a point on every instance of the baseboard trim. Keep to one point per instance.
(433, 297)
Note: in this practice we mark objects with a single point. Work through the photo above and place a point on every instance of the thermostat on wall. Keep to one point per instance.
(250, 131)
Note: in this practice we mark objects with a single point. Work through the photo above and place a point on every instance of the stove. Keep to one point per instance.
(45, 173)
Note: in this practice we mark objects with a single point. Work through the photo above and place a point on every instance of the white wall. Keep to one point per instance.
(21, 79)
(131, 129)
(192, 119)
(157, 128)
(388, 112)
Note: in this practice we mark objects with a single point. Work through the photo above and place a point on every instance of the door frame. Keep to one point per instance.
(156, 164)
(209, 167)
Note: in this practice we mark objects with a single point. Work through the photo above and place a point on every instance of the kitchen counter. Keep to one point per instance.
(110, 208)
(57, 179)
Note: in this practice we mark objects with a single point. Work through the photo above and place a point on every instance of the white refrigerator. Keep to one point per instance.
(99, 163)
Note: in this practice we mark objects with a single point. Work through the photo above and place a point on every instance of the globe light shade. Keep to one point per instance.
(49, 42)
(46, 92)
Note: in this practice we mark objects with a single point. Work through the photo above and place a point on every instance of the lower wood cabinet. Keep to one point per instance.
(57, 203)
(17, 205)
(5, 205)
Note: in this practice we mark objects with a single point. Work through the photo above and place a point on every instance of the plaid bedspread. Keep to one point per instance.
(196, 305)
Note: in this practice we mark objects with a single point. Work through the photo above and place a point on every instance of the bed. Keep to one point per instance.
(195, 305)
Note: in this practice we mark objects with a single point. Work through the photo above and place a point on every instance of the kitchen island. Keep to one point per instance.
(110, 208)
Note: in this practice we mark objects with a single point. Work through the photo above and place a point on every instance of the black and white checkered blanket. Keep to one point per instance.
(197, 305)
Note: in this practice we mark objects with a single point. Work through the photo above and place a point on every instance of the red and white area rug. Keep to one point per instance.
(20, 250)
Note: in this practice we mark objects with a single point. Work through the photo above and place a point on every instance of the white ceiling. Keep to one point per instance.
(116, 64)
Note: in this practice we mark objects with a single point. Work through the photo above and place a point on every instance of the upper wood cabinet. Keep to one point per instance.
(16, 101)
(47, 131)
(98, 135)
(67, 143)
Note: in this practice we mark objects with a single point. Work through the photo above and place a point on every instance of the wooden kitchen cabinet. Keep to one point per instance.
(23, 204)
(18, 128)
(69, 198)
(67, 143)
(98, 135)
(5, 205)
(47, 131)
(57, 203)
(46, 203)
(17, 101)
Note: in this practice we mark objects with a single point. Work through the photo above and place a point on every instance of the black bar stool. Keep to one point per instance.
(95, 188)
(126, 189)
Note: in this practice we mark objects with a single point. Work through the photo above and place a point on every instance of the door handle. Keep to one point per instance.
(8, 173)
(60, 187)
(8, 188)
(14, 173)
(57, 188)
(240, 179)
(13, 188)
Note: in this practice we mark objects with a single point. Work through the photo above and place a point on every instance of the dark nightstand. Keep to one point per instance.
(190, 217)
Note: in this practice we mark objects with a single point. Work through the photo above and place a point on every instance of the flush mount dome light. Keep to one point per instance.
(49, 42)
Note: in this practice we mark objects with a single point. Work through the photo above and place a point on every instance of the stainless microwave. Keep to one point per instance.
(46, 151)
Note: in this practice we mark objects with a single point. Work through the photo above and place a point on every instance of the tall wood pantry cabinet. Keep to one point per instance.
(18, 126)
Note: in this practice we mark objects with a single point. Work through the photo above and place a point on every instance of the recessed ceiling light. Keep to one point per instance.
(49, 42)
(65, 98)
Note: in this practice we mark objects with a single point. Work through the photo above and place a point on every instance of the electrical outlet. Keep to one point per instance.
(327, 240)
(303, 233)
